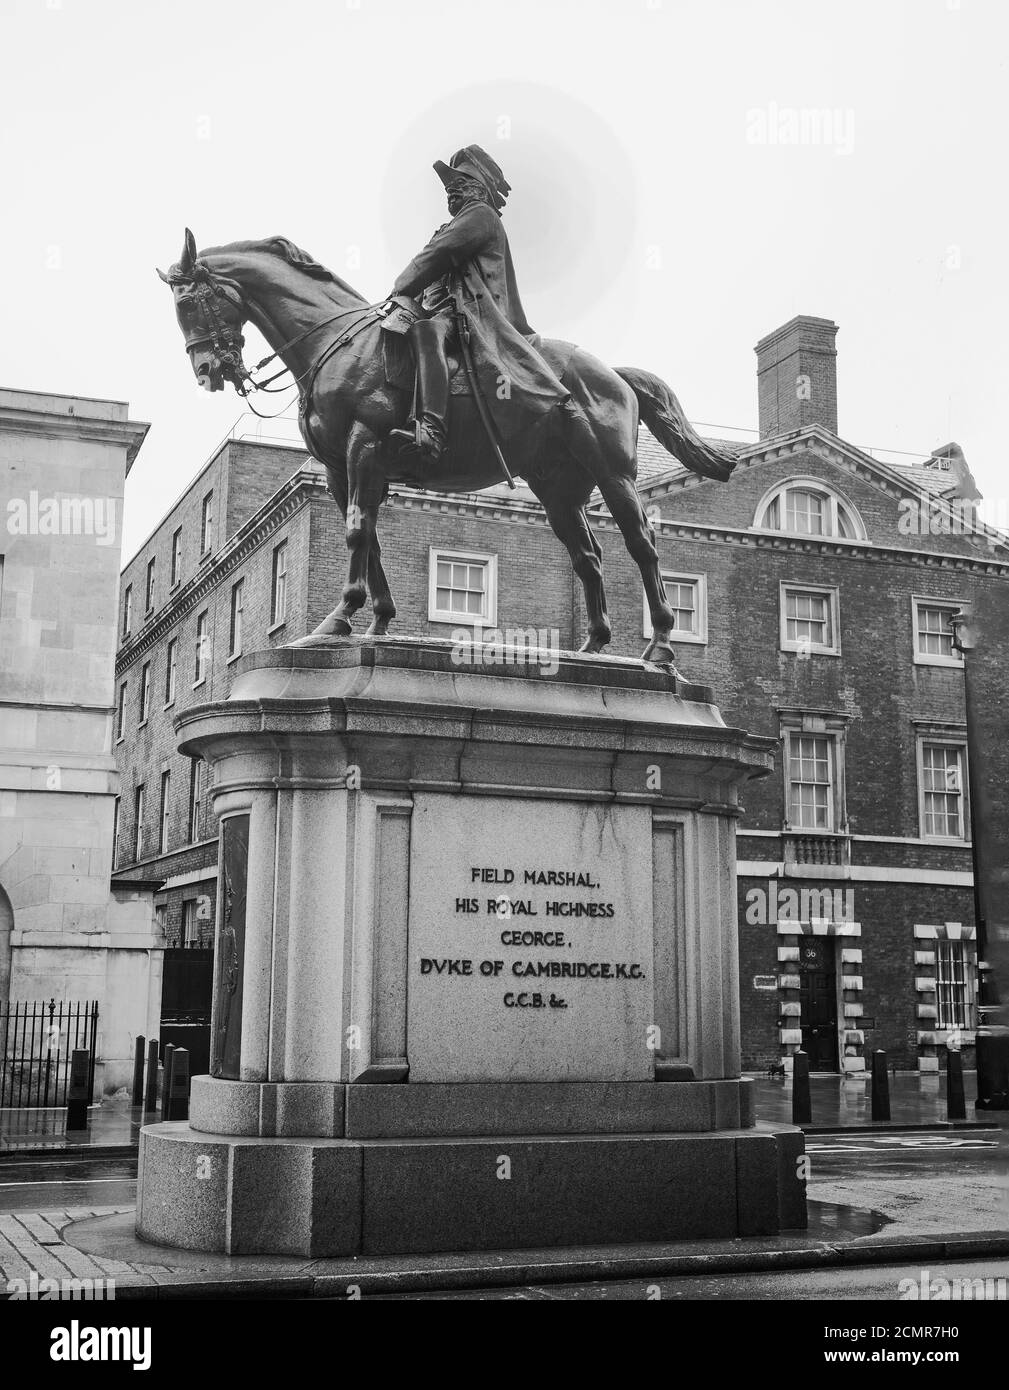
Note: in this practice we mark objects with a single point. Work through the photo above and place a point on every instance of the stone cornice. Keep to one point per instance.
(820, 443)
(819, 545)
(128, 433)
(271, 516)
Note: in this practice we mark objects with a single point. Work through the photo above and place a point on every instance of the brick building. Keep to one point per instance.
(812, 591)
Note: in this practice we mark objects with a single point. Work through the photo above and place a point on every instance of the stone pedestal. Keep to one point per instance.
(476, 969)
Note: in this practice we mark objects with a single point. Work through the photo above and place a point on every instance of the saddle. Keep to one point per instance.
(400, 316)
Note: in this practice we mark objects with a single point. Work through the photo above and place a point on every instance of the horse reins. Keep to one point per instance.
(228, 344)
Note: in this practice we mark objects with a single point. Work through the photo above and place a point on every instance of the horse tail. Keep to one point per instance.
(664, 416)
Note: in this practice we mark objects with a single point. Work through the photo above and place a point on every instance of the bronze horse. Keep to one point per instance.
(331, 341)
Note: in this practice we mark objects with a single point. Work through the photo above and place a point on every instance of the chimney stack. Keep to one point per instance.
(797, 376)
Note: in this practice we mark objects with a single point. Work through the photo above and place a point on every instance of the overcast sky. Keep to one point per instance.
(661, 213)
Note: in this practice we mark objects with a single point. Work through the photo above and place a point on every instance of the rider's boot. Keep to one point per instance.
(423, 441)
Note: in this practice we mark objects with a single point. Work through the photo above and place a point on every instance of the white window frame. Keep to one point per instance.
(190, 931)
(176, 566)
(127, 610)
(207, 523)
(920, 658)
(837, 502)
(791, 644)
(699, 637)
(834, 728)
(948, 741)
(150, 585)
(966, 947)
(145, 694)
(444, 554)
(195, 801)
(202, 643)
(831, 784)
(165, 810)
(278, 584)
(117, 810)
(235, 619)
(121, 712)
(171, 670)
(139, 811)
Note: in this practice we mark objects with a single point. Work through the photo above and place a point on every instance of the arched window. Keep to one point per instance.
(806, 507)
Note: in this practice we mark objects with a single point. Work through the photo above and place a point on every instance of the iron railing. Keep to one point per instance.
(37, 1040)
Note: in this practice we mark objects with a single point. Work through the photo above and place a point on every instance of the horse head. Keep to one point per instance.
(211, 314)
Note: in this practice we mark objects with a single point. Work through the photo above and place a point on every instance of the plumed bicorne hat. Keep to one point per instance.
(475, 163)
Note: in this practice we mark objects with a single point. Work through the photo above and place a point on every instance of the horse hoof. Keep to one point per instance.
(333, 626)
(659, 653)
(377, 629)
(592, 646)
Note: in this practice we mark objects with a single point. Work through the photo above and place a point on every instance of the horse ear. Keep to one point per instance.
(188, 257)
(163, 276)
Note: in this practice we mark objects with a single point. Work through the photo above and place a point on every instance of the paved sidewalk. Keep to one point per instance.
(870, 1218)
(839, 1103)
(113, 1125)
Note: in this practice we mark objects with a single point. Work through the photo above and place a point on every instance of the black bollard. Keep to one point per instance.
(151, 1094)
(78, 1089)
(138, 1070)
(166, 1078)
(880, 1087)
(956, 1105)
(802, 1101)
(178, 1086)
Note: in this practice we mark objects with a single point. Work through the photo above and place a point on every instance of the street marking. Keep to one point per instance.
(879, 1143)
(65, 1182)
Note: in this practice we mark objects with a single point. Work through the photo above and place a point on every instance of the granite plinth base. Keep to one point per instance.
(328, 1197)
(446, 1110)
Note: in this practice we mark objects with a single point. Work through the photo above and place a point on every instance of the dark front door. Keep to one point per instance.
(818, 1001)
(186, 997)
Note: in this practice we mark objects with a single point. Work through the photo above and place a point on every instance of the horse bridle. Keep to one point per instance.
(227, 343)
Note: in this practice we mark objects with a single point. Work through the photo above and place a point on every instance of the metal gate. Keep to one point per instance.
(37, 1041)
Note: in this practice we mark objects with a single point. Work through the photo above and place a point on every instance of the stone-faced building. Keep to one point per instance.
(63, 934)
(813, 592)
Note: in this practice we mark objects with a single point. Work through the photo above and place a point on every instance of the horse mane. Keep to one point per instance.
(294, 256)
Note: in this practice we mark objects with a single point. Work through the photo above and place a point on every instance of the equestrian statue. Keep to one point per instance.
(442, 386)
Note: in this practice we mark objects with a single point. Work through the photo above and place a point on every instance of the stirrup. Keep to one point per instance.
(424, 443)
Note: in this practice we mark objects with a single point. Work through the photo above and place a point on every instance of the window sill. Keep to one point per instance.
(201, 681)
(205, 554)
(149, 615)
(142, 725)
(677, 638)
(466, 620)
(947, 663)
(795, 650)
(169, 703)
(120, 739)
(175, 586)
(275, 628)
(235, 656)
